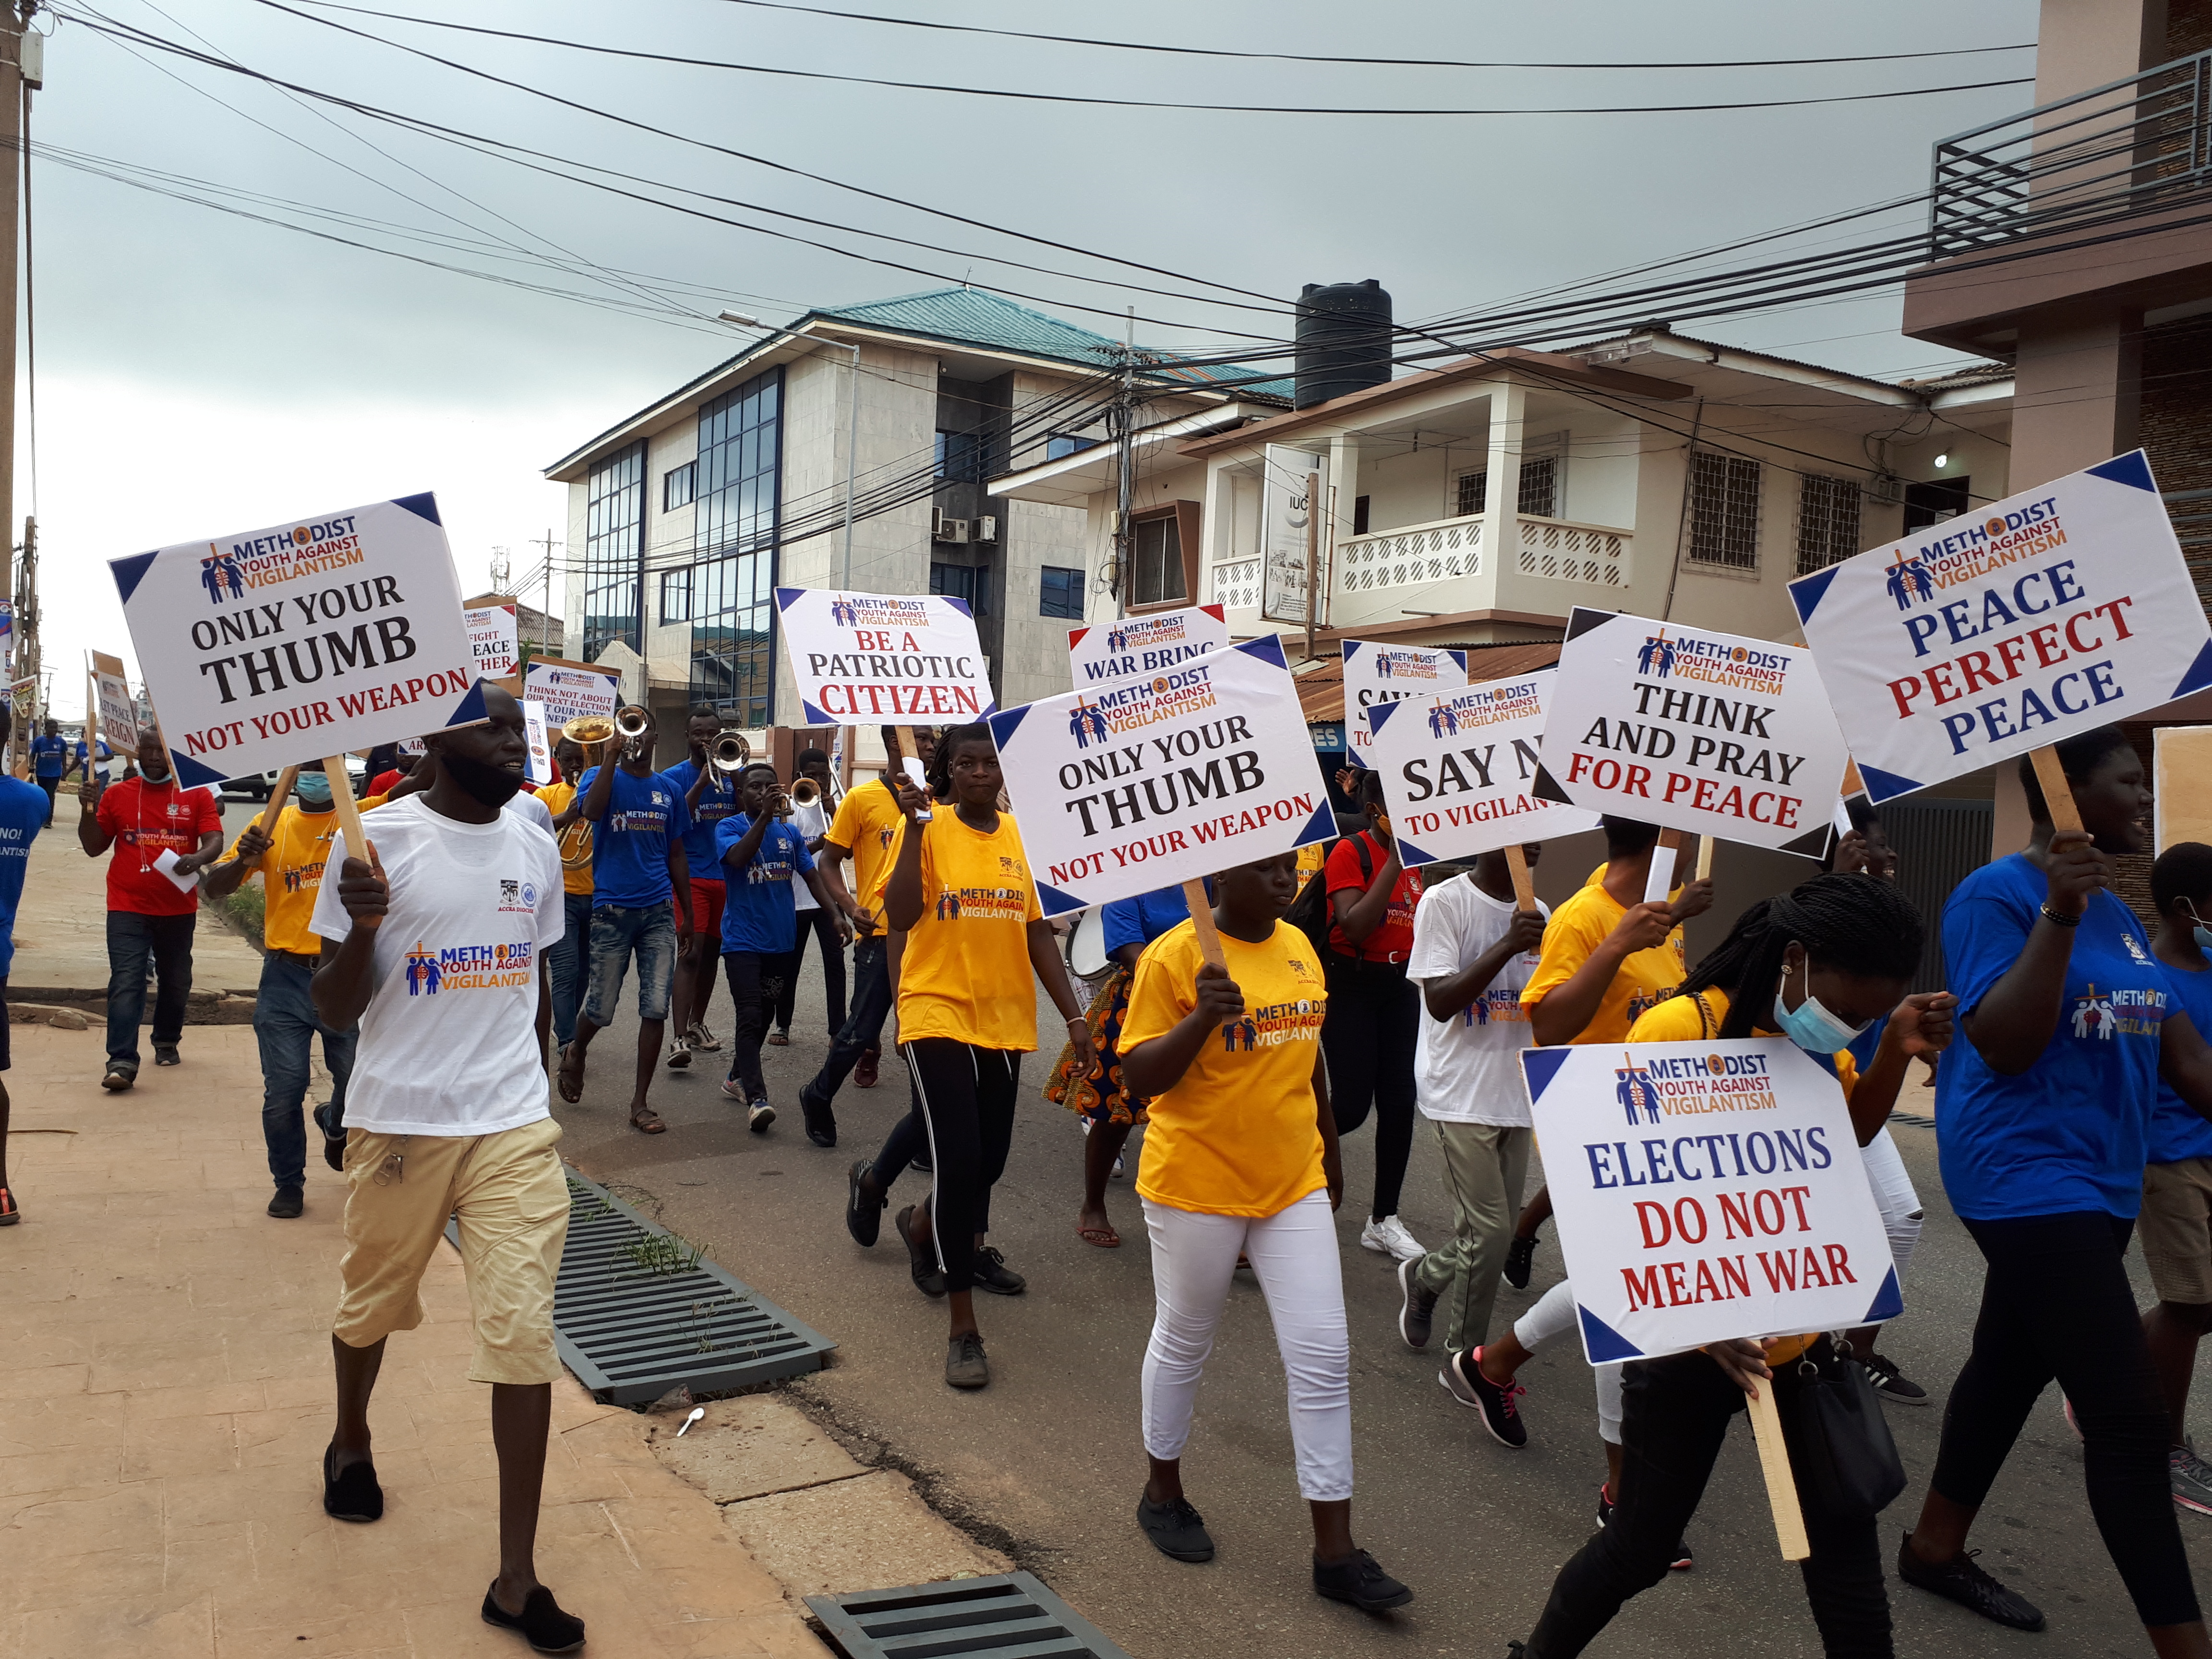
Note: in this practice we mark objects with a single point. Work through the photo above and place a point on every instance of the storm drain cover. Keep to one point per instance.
(636, 1310)
(1008, 1616)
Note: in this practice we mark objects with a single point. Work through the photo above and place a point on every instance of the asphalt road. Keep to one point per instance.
(1047, 1462)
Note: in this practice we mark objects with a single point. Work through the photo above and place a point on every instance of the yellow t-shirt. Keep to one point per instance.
(1578, 927)
(1312, 857)
(1679, 1019)
(291, 873)
(965, 974)
(867, 827)
(1238, 1135)
(558, 798)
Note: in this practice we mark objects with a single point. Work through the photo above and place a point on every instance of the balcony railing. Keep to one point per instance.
(2119, 148)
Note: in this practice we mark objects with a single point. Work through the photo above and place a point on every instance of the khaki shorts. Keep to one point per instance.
(2176, 1229)
(512, 1199)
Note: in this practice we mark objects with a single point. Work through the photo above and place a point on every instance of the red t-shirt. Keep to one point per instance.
(382, 782)
(145, 818)
(1393, 938)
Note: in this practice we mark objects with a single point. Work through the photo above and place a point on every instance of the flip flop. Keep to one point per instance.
(1104, 1237)
(570, 1084)
(646, 1120)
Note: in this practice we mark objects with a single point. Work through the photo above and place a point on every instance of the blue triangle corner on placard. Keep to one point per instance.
(787, 597)
(1268, 648)
(1410, 856)
(2132, 469)
(1053, 903)
(814, 716)
(1807, 592)
(1005, 723)
(1604, 1343)
(957, 604)
(1348, 650)
(1888, 1300)
(1882, 785)
(1540, 1066)
(1459, 657)
(130, 571)
(2200, 673)
(1321, 826)
(470, 710)
(1378, 713)
(193, 774)
(424, 506)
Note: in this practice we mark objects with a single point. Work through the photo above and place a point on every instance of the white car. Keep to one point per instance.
(257, 785)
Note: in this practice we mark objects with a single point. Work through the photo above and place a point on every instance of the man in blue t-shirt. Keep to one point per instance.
(50, 759)
(709, 796)
(641, 907)
(24, 811)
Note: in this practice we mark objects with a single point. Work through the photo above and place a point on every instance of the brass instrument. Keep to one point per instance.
(805, 793)
(730, 752)
(631, 724)
(591, 731)
(576, 845)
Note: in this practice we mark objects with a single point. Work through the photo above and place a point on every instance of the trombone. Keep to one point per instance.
(730, 752)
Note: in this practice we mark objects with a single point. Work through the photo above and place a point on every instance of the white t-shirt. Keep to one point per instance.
(528, 807)
(812, 823)
(449, 1040)
(1469, 1070)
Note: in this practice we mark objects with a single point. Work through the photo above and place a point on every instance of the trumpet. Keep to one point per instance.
(631, 724)
(805, 793)
(730, 752)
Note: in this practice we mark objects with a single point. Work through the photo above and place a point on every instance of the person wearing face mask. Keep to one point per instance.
(1818, 965)
(288, 856)
(2070, 1024)
(148, 916)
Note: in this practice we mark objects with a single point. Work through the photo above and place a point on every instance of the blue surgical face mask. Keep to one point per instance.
(314, 788)
(2203, 934)
(1812, 1027)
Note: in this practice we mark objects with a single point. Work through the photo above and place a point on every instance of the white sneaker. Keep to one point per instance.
(680, 1054)
(699, 1037)
(1389, 1236)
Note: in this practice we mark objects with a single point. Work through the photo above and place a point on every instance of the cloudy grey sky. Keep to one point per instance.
(202, 372)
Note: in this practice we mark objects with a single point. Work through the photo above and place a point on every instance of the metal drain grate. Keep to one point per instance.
(1011, 1616)
(634, 1315)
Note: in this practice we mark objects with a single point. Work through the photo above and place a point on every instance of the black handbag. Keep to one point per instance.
(1847, 1455)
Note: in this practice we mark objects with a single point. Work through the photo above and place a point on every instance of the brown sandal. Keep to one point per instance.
(570, 1084)
(646, 1120)
(1104, 1237)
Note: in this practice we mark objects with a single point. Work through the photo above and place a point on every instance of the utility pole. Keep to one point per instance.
(14, 119)
(1313, 556)
(1121, 426)
(545, 627)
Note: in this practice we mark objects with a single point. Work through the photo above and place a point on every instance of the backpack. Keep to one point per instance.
(1310, 913)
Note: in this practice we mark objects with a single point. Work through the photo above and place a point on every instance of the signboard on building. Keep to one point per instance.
(568, 690)
(1287, 519)
(1707, 1190)
(1376, 673)
(2063, 608)
(883, 659)
(298, 641)
(493, 637)
(1144, 645)
(1128, 788)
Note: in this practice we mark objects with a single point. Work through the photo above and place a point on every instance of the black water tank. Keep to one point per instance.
(1343, 340)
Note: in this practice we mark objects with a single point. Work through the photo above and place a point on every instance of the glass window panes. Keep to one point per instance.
(960, 456)
(1827, 521)
(675, 486)
(1156, 553)
(740, 453)
(614, 552)
(676, 595)
(961, 581)
(1059, 592)
(1724, 511)
(1063, 444)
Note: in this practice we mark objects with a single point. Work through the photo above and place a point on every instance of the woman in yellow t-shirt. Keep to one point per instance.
(960, 890)
(1242, 1157)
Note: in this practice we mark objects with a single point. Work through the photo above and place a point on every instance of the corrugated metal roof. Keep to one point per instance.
(1321, 690)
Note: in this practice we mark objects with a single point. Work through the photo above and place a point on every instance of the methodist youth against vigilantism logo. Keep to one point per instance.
(468, 968)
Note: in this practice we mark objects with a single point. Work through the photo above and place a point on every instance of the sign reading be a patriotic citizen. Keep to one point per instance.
(1458, 770)
(1377, 675)
(2014, 625)
(1144, 645)
(1149, 782)
(302, 640)
(883, 659)
(1713, 733)
(1707, 1190)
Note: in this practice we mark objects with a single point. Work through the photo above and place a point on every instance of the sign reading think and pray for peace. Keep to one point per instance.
(1149, 782)
(1707, 1190)
(2012, 626)
(1377, 675)
(302, 640)
(1144, 645)
(1693, 730)
(883, 659)
(1458, 770)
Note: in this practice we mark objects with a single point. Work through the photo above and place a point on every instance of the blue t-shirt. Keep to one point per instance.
(23, 814)
(1141, 920)
(49, 756)
(759, 914)
(2176, 1131)
(2072, 1132)
(630, 843)
(717, 800)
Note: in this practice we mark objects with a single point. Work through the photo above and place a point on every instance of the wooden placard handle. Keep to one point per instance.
(1524, 885)
(1705, 845)
(2058, 794)
(349, 812)
(1781, 1484)
(907, 752)
(91, 726)
(265, 820)
(1201, 918)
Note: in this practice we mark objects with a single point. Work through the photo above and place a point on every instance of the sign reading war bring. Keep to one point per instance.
(883, 659)
(1144, 645)
(1148, 782)
(301, 640)
(1457, 770)
(2012, 626)
(1713, 733)
(1707, 1190)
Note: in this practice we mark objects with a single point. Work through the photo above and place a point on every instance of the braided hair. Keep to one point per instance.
(939, 769)
(1857, 924)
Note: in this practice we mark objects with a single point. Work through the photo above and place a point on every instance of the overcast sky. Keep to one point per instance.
(202, 372)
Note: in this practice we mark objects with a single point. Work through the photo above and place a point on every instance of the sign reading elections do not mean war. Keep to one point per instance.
(301, 640)
(1105, 652)
(2014, 625)
(888, 659)
(1693, 730)
(1149, 782)
(1707, 1190)
(1458, 769)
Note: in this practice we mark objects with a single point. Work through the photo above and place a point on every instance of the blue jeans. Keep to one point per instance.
(132, 940)
(864, 1028)
(286, 1024)
(570, 964)
(616, 934)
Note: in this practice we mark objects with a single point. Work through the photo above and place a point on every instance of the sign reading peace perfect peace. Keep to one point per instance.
(301, 640)
(2051, 612)
(1692, 730)
(1458, 769)
(1144, 645)
(1707, 1190)
(1149, 782)
(883, 659)
(1376, 676)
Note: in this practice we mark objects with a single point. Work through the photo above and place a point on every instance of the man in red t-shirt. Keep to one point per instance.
(149, 915)
(1373, 1023)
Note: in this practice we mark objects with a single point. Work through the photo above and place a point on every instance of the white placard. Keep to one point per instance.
(883, 659)
(570, 690)
(1147, 783)
(1284, 515)
(118, 714)
(2051, 612)
(1457, 770)
(1713, 733)
(166, 862)
(1707, 1190)
(1375, 674)
(1144, 645)
(301, 640)
(492, 636)
(541, 769)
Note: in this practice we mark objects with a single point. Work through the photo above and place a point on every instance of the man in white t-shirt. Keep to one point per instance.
(1473, 953)
(437, 947)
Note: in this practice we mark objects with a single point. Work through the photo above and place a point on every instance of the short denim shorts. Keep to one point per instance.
(616, 933)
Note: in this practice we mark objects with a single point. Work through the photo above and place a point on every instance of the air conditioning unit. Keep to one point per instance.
(984, 529)
(943, 529)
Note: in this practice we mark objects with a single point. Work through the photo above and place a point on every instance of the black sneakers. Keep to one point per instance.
(820, 1118)
(965, 1367)
(1360, 1583)
(1417, 1311)
(992, 1273)
(541, 1623)
(1463, 1375)
(862, 1219)
(1962, 1581)
(928, 1276)
(352, 1493)
(334, 1140)
(165, 1053)
(1893, 1384)
(1520, 1256)
(288, 1204)
(1177, 1531)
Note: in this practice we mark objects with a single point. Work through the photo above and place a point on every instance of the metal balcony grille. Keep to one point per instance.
(1010, 1616)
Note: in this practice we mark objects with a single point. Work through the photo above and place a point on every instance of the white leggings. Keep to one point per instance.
(1294, 1256)
(1551, 1318)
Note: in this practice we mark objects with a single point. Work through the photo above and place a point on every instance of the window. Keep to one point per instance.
(1359, 515)
(675, 486)
(963, 581)
(960, 456)
(740, 460)
(1155, 577)
(1724, 511)
(1540, 487)
(614, 552)
(676, 595)
(1059, 592)
(1934, 501)
(1473, 488)
(1827, 521)
(1061, 445)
